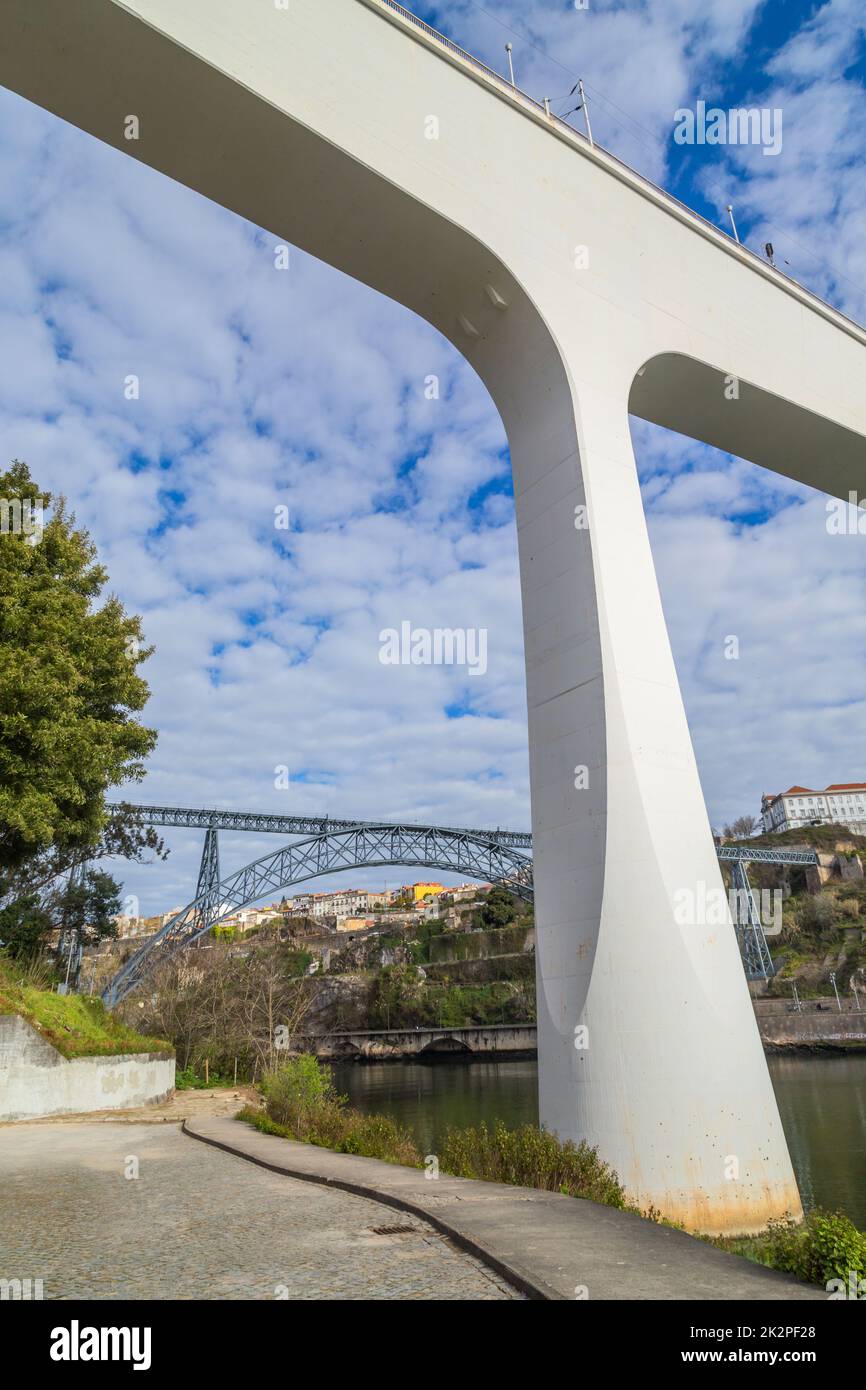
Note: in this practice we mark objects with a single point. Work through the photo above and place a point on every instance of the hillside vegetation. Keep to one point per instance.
(76, 1025)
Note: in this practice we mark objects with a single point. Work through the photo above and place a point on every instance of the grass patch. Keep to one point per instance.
(77, 1025)
(190, 1080)
(530, 1157)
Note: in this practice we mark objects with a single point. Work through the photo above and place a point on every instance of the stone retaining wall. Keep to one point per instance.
(36, 1080)
(828, 1028)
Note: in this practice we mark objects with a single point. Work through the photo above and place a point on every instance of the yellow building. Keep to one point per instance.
(426, 890)
(355, 923)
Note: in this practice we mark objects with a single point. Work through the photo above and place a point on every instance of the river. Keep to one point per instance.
(822, 1101)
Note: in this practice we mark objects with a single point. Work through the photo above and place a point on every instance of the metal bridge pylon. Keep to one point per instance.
(207, 892)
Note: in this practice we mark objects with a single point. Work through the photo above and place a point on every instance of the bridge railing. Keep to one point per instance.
(461, 52)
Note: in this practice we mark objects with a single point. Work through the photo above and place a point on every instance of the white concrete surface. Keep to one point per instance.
(562, 277)
(35, 1080)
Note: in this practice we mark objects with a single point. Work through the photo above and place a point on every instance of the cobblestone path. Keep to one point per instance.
(199, 1223)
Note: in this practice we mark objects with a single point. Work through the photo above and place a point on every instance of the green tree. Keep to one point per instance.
(25, 925)
(399, 996)
(85, 907)
(69, 691)
(818, 914)
(69, 686)
(499, 909)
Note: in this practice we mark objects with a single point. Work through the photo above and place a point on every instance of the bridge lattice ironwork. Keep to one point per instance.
(268, 823)
(464, 852)
(332, 844)
(761, 854)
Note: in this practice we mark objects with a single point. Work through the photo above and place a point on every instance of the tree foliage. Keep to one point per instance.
(85, 906)
(69, 686)
(499, 909)
(69, 694)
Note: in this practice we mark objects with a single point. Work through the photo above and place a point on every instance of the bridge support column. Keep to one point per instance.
(648, 1045)
(208, 882)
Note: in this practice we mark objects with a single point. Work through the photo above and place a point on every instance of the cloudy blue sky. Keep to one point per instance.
(305, 389)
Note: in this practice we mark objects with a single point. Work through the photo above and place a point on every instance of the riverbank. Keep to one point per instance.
(821, 1099)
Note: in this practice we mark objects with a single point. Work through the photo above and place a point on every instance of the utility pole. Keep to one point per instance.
(835, 990)
(583, 103)
(733, 223)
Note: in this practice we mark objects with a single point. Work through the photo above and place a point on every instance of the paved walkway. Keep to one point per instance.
(198, 1223)
(553, 1247)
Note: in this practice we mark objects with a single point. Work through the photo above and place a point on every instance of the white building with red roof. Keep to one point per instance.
(842, 803)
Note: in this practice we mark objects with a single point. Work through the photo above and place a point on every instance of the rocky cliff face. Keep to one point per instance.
(341, 1003)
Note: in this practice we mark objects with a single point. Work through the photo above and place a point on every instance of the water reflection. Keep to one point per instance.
(822, 1101)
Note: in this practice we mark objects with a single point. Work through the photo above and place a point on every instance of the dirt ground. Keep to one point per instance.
(182, 1105)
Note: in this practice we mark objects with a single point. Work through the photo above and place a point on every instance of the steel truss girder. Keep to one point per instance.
(762, 855)
(266, 823)
(463, 852)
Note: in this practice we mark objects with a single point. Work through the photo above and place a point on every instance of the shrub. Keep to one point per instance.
(531, 1157)
(224, 933)
(188, 1079)
(377, 1136)
(823, 1247)
(818, 913)
(297, 962)
(302, 1103)
(298, 1090)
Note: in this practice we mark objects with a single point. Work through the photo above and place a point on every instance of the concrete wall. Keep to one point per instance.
(782, 1026)
(36, 1080)
(477, 944)
(483, 970)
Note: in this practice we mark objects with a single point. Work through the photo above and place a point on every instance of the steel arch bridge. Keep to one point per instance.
(473, 853)
(334, 844)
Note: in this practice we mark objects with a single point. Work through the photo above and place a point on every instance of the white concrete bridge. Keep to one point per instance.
(578, 292)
